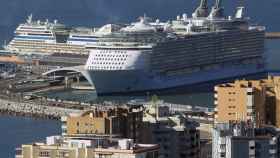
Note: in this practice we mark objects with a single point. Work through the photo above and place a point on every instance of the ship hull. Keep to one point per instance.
(143, 82)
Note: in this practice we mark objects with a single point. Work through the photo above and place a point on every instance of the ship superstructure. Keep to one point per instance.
(82, 36)
(150, 56)
(36, 37)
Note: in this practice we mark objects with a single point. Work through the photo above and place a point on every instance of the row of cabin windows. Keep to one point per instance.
(111, 55)
(105, 67)
(110, 59)
(110, 51)
(107, 63)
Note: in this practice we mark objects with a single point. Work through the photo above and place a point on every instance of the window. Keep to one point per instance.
(249, 93)
(231, 99)
(63, 154)
(44, 154)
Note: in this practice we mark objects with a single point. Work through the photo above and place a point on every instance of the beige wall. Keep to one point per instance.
(54, 152)
(86, 125)
(231, 104)
(266, 101)
(126, 121)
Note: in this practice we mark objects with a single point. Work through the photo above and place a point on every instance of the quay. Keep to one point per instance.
(272, 35)
(34, 110)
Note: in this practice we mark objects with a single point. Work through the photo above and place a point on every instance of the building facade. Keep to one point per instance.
(236, 140)
(125, 121)
(248, 100)
(91, 147)
(176, 135)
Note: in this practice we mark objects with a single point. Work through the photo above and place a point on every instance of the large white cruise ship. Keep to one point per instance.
(151, 56)
(37, 37)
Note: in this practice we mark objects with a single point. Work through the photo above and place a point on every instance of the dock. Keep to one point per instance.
(272, 35)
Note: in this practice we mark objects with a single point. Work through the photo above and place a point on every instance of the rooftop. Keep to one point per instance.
(98, 144)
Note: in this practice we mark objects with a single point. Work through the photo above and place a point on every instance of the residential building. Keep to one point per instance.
(125, 121)
(242, 139)
(205, 149)
(248, 100)
(176, 135)
(87, 147)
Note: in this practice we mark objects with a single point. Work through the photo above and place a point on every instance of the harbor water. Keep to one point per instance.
(19, 130)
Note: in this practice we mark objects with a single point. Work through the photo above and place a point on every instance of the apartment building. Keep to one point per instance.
(248, 100)
(87, 147)
(242, 139)
(176, 135)
(125, 121)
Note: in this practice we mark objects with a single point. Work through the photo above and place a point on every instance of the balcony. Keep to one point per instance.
(272, 151)
(252, 153)
(222, 141)
(252, 143)
(19, 153)
(222, 150)
(216, 109)
(272, 142)
(63, 119)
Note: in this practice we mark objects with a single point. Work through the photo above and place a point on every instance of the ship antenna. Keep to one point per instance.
(241, 3)
(218, 4)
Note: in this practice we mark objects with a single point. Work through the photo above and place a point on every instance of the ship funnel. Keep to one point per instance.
(239, 13)
(217, 10)
(201, 10)
(29, 19)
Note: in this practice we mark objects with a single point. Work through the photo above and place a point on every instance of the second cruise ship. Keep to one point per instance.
(150, 56)
(44, 37)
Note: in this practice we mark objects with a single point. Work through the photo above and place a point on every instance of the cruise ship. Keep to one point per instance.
(151, 56)
(44, 37)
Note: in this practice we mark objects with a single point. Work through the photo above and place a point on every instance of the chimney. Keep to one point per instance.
(201, 10)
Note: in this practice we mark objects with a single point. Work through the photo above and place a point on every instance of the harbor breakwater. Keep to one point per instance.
(272, 35)
(8, 107)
